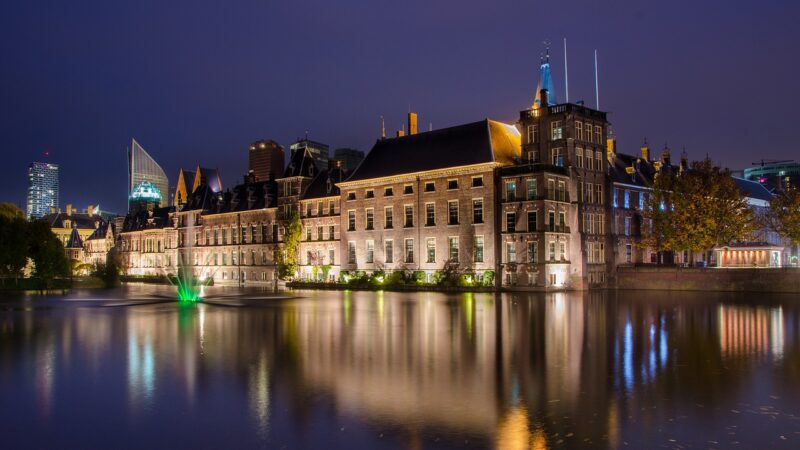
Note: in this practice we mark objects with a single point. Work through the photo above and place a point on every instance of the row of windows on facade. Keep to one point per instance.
(252, 234)
(628, 198)
(584, 159)
(533, 252)
(453, 215)
(583, 132)
(320, 208)
(210, 259)
(408, 250)
(555, 222)
(556, 190)
(408, 188)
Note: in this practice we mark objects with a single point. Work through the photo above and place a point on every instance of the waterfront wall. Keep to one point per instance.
(712, 279)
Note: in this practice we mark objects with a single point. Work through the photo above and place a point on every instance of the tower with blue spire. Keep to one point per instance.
(545, 82)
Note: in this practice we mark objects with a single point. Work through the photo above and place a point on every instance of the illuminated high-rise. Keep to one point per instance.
(142, 167)
(42, 188)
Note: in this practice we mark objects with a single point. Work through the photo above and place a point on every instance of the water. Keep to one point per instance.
(135, 369)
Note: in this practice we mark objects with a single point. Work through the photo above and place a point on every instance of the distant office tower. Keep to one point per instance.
(318, 151)
(42, 189)
(142, 167)
(349, 157)
(266, 160)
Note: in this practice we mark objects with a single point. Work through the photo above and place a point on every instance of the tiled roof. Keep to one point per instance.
(75, 240)
(301, 165)
(463, 145)
(324, 184)
(80, 220)
(143, 220)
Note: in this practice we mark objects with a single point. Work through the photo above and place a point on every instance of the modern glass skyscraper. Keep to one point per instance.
(142, 167)
(42, 188)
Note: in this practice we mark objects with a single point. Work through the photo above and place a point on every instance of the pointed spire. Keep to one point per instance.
(545, 81)
(383, 129)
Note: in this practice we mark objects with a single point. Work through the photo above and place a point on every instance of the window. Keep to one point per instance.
(614, 197)
(562, 219)
(562, 250)
(478, 253)
(533, 155)
(579, 131)
(388, 217)
(562, 192)
(319, 208)
(351, 220)
(320, 235)
(370, 219)
(531, 220)
(511, 222)
(599, 157)
(511, 190)
(409, 251)
(452, 245)
(430, 186)
(533, 253)
(628, 253)
(477, 210)
(331, 254)
(309, 206)
(369, 193)
(370, 252)
(351, 196)
(331, 207)
(558, 157)
(409, 210)
(598, 134)
(388, 192)
(599, 193)
(626, 198)
(477, 181)
(530, 189)
(452, 212)
(552, 220)
(556, 130)
(308, 233)
(331, 231)
(627, 226)
(579, 158)
(641, 200)
(430, 250)
(552, 250)
(533, 134)
(408, 189)
(388, 251)
(351, 252)
(452, 184)
(589, 160)
(511, 252)
(430, 215)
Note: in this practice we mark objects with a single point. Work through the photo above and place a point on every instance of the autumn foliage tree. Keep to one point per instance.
(288, 258)
(784, 214)
(696, 210)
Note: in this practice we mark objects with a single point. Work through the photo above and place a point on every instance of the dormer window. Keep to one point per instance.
(351, 196)
(369, 193)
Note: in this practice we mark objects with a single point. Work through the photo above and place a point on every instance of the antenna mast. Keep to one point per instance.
(596, 84)
(566, 76)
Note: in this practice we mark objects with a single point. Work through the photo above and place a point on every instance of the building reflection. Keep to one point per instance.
(518, 370)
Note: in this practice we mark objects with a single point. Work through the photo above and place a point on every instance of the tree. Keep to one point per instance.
(783, 215)
(47, 253)
(696, 210)
(13, 235)
(287, 259)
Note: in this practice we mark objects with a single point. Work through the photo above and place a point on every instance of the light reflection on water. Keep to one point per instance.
(375, 370)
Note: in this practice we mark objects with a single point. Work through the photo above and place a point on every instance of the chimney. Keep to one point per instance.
(684, 161)
(400, 133)
(665, 156)
(645, 151)
(90, 210)
(412, 123)
(544, 99)
(69, 209)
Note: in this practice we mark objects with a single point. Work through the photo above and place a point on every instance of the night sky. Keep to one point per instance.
(197, 81)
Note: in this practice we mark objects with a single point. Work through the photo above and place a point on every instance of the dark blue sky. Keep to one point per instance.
(196, 81)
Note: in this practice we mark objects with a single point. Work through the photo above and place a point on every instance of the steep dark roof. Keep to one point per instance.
(202, 198)
(245, 197)
(143, 220)
(211, 177)
(101, 231)
(75, 240)
(80, 220)
(642, 174)
(752, 189)
(324, 184)
(462, 145)
(301, 165)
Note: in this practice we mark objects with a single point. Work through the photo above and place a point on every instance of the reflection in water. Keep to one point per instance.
(388, 369)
